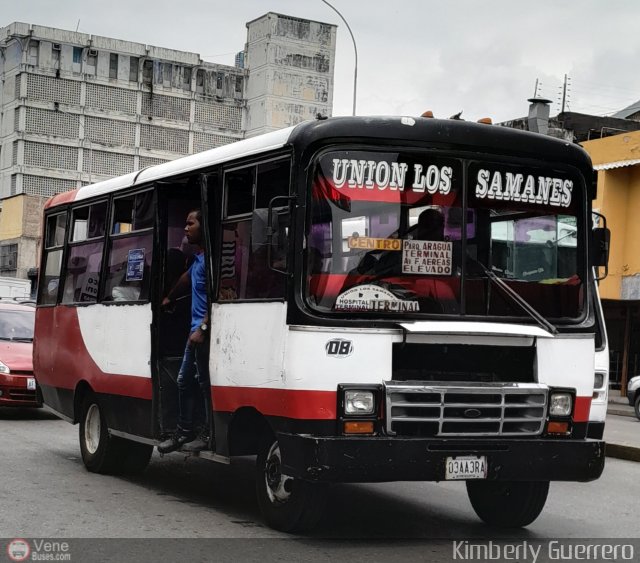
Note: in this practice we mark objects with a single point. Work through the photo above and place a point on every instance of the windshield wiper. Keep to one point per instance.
(518, 299)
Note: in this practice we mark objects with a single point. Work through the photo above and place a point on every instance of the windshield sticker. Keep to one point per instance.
(427, 257)
(526, 188)
(373, 298)
(382, 175)
(368, 243)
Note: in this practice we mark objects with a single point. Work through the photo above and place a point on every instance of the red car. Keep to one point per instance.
(17, 384)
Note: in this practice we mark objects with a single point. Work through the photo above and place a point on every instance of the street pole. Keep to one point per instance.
(355, 49)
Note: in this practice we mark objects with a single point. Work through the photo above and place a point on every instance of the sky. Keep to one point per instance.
(481, 57)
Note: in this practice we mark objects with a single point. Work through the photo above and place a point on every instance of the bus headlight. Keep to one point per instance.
(359, 402)
(560, 404)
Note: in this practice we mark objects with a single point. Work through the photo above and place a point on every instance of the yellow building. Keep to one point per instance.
(617, 160)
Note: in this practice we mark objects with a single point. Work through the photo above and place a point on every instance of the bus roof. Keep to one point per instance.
(453, 134)
(239, 149)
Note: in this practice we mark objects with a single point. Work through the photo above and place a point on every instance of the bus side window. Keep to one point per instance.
(55, 229)
(84, 261)
(244, 269)
(130, 249)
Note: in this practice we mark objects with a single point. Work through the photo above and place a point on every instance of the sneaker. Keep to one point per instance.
(175, 442)
(199, 444)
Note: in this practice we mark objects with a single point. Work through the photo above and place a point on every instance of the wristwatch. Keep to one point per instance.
(204, 327)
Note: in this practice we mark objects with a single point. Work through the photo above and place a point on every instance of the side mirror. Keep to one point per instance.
(600, 242)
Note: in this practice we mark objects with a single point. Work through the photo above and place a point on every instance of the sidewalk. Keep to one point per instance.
(622, 429)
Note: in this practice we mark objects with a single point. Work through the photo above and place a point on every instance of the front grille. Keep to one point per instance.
(416, 409)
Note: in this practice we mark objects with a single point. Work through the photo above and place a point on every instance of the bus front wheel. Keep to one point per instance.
(287, 504)
(508, 504)
(102, 453)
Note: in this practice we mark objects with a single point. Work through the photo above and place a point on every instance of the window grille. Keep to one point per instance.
(58, 124)
(46, 187)
(164, 138)
(53, 89)
(146, 161)
(219, 115)
(169, 107)
(206, 141)
(45, 155)
(108, 163)
(110, 131)
(110, 98)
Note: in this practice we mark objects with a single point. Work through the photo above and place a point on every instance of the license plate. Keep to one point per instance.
(31, 383)
(466, 467)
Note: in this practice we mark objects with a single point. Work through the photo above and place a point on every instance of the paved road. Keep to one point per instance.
(46, 492)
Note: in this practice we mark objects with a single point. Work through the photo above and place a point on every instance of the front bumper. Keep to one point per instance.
(14, 392)
(378, 459)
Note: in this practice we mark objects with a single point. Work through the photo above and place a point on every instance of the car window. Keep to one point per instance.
(16, 325)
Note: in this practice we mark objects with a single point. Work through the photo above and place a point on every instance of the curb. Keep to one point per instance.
(621, 411)
(620, 451)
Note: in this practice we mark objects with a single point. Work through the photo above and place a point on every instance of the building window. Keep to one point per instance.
(8, 257)
(77, 55)
(147, 72)
(186, 78)
(134, 64)
(167, 74)
(113, 65)
(34, 47)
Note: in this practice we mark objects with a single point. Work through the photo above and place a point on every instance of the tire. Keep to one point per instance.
(636, 405)
(287, 504)
(102, 453)
(508, 504)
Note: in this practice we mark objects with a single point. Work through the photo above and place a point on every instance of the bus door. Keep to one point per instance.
(172, 324)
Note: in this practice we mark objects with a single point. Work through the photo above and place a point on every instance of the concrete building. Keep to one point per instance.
(617, 160)
(77, 108)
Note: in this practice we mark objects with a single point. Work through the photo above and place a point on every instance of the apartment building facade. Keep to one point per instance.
(78, 108)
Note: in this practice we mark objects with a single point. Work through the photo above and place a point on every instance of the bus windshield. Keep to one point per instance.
(401, 234)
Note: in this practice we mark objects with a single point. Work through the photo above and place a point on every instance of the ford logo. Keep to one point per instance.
(472, 413)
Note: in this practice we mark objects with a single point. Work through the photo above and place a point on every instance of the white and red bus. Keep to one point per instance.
(390, 299)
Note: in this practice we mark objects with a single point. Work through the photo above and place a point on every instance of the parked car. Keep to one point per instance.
(17, 383)
(633, 393)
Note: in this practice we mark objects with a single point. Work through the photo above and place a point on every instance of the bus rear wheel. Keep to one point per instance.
(287, 504)
(102, 453)
(508, 504)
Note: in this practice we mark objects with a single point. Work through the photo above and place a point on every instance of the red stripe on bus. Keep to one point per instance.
(61, 358)
(582, 408)
(289, 403)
